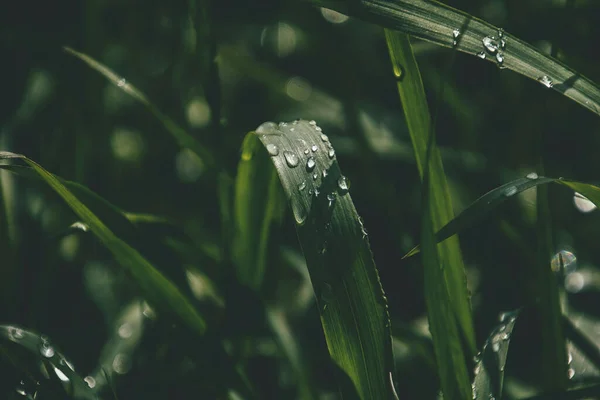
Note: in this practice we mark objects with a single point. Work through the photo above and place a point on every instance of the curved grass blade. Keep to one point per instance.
(489, 364)
(258, 204)
(448, 27)
(351, 301)
(181, 135)
(41, 346)
(483, 205)
(154, 285)
(446, 293)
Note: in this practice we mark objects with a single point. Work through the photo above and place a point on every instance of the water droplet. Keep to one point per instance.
(272, 149)
(283, 124)
(490, 44)
(343, 184)
(61, 375)
(509, 191)
(532, 176)
(481, 55)
(21, 389)
(291, 159)
(546, 81)
(331, 153)
(91, 382)
(324, 173)
(310, 191)
(310, 164)
(312, 122)
(318, 128)
(15, 334)
(477, 369)
(302, 186)
(569, 358)
(267, 128)
(500, 57)
(125, 331)
(292, 129)
(474, 390)
(299, 210)
(477, 358)
(121, 364)
(502, 44)
(317, 192)
(330, 199)
(122, 82)
(314, 148)
(315, 176)
(324, 138)
(570, 373)
(455, 33)
(306, 151)
(46, 349)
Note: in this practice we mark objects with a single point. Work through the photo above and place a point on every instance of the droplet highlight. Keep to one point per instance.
(310, 164)
(532, 176)
(546, 81)
(291, 159)
(272, 149)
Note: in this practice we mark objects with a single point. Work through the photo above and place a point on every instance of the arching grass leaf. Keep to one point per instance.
(489, 364)
(154, 285)
(446, 26)
(448, 305)
(477, 210)
(56, 363)
(351, 302)
(181, 135)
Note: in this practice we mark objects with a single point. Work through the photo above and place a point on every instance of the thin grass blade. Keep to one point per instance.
(154, 285)
(41, 347)
(184, 139)
(258, 205)
(448, 27)
(446, 293)
(351, 301)
(481, 207)
(489, 364)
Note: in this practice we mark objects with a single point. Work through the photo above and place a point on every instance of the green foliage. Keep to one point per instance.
(258, 266)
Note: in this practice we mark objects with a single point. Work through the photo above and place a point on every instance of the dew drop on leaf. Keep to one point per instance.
(331, 153)
(343, 184)
(310, 164)
(324, 138)
(291, 159)
(509, 191)
(481, 55)
(302, 186)
(546, 81)
(532, 176)
(314, 148)
(272, 149)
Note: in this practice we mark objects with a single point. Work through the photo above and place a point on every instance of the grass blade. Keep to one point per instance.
(446, 293)
(258, 204)
(157, 289)
(351, 302)
(181, 135)
(40, 346)
(489, 364)
(436, 23)
(481, 207)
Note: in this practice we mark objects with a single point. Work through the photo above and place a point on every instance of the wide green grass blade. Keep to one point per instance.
(481, 207)
(157, 289)
(56, 362)
(181, 135)
(437, 23)
(490, 363)
(351, 301)
(446, 293)
(258, 204)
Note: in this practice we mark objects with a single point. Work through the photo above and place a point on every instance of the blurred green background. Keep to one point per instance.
(277, 60)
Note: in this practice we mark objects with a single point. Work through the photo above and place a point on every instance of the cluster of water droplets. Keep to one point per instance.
(29, 393)
(546, 81)
(494, 47)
